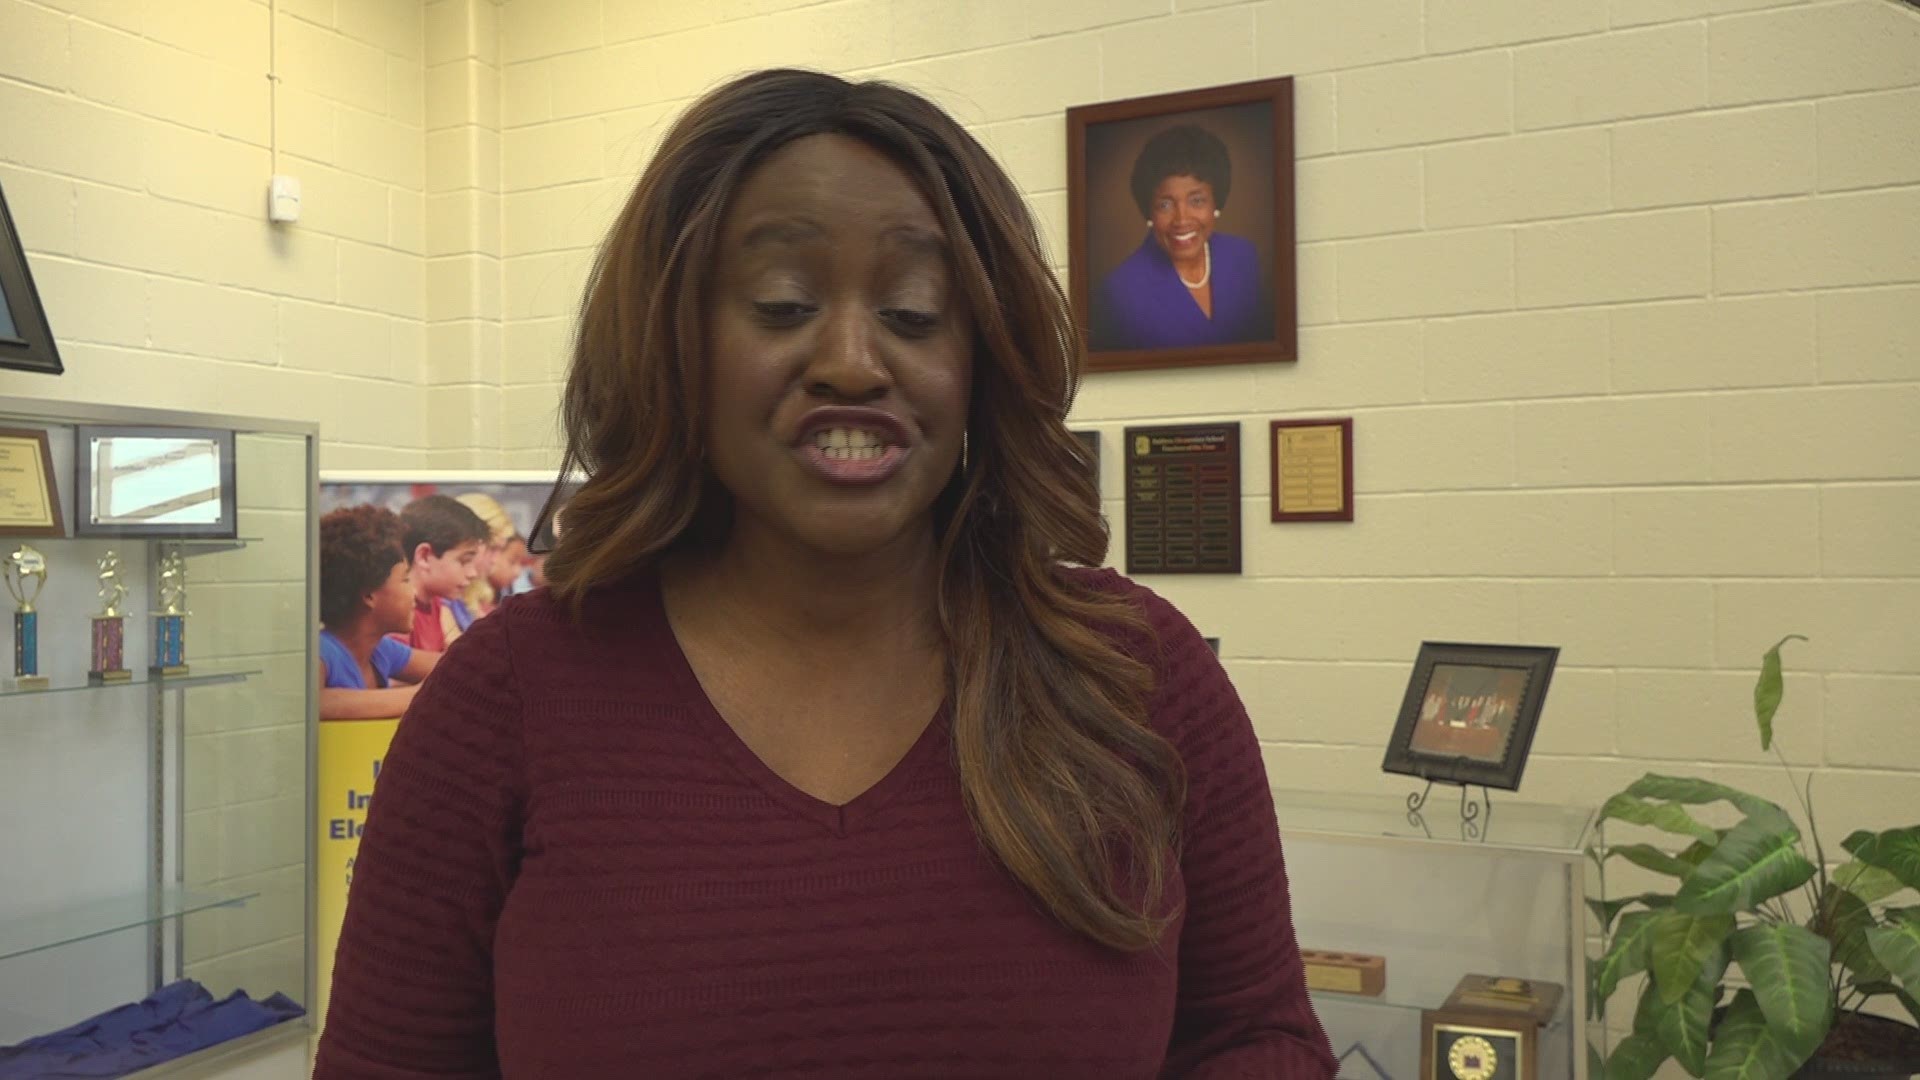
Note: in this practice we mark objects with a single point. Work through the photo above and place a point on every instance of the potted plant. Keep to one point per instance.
(1810, 947)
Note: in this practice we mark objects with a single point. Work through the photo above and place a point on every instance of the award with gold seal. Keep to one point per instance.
(110, 626)
(26, 574)
(170, 621)
(1489, 1029)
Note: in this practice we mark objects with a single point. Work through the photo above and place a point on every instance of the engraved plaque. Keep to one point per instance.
(1183, 499)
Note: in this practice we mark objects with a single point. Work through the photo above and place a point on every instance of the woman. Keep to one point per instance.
(366, 594)
(1187, 284)
(813, 761)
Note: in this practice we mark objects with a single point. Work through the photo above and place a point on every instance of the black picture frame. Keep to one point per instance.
(1475, 724)
(26, 340)
(227, 527)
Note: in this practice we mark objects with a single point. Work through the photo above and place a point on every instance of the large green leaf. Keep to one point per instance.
(1870, 883)
(1626, 955)
(1636, 1057)
(1768, 690)
(1693, 791)
(1666, 816)
(1745, 1049)
(1684, 1028)
(1679, 945)
(1897, 946)
(1844, 923)
(1897, 851)
(1757, 860)
(1608, 910)
(1789, 968)
(1648, 857)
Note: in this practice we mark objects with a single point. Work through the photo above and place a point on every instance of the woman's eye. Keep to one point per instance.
(910, 322)
(781, 312)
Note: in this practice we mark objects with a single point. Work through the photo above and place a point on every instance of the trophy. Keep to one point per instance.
(23, 566)
(170, 622)
(109, 627)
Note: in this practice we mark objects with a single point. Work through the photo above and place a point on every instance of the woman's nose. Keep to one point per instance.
(847, 361)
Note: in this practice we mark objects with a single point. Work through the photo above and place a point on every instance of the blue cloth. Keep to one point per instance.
(390, 657)
(1142, 304)
(462, 615)
(173, 1021)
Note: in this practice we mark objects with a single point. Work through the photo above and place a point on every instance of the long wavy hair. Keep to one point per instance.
(1065, 780)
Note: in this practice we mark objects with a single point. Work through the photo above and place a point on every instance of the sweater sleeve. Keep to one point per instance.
(413, 977)
(1243, 1010)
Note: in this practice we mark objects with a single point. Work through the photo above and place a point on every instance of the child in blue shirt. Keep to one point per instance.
(366, 595)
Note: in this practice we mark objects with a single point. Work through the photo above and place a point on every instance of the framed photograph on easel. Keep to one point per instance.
(1469, 713)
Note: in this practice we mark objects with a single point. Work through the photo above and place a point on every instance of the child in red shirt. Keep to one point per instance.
(444, 540)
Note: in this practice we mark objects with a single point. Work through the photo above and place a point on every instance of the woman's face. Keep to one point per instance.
(1182, 216)
(392, 602)
(840, 361)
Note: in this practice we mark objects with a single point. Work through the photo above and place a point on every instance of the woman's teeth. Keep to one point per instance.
(850, 444)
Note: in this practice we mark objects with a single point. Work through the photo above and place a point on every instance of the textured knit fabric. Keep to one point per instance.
(573, 867)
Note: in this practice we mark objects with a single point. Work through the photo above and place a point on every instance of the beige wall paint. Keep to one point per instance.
(136, 156)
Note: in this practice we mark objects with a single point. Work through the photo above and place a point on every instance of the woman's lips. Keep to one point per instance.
(837, 468)
(853, 445)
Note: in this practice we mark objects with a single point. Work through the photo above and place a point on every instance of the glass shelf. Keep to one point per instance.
(1560, 830)
(18, 937)
(1386, 1003)
(211, 675)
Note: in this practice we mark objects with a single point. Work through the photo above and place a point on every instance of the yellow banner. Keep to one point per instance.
(350, 753)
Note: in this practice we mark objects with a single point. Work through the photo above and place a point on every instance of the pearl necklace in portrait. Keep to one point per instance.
(1207, 250)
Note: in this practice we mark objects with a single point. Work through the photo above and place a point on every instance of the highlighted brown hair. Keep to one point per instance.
(1065, 780)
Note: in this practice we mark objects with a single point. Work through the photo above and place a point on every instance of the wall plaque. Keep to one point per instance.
(1183, 499)
(1313, 470)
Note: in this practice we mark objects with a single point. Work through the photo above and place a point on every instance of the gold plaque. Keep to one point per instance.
(29, 496)
(1312, 470)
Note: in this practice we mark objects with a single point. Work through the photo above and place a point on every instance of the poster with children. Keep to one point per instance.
(407, 564)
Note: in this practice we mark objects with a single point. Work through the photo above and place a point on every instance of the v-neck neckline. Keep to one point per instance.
(842, 819)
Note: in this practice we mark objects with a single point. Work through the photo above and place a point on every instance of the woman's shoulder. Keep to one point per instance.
(1229, 248)
(1164, 622)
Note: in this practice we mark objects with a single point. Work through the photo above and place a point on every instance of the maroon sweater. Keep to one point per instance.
(572, 867)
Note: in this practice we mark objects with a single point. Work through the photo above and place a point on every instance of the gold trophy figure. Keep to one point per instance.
(110, 627)
(26, 565)
(170, 622)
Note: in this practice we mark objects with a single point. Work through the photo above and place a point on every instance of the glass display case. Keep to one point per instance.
(156, 808)
(1440, 895)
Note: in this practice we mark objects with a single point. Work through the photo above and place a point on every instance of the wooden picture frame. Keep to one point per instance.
(88, 519)
(1307, 485)
(1458, 1044)
(1132, 313)
(1469, 713)
(44, 521)
(26, 339)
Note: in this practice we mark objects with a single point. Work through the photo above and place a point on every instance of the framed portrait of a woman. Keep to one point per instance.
(1180, 227)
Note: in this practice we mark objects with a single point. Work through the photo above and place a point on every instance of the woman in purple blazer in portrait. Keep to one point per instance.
(1186, 284)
